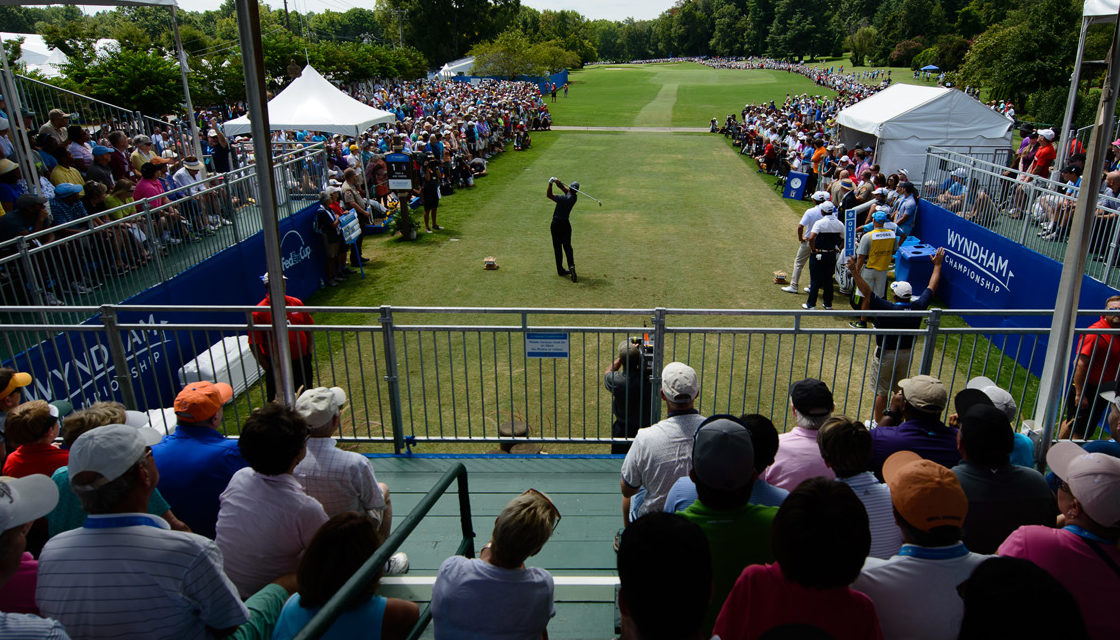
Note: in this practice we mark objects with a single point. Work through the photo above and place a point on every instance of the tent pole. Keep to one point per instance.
(183, 68)
(1065, 136)
(249, 34)
(24, 152)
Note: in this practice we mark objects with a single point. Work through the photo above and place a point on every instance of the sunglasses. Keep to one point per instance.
(547, 499)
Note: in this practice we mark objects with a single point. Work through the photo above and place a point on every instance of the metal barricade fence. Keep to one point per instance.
(1017, 205)
(40, 97)
(102, 259)
(440, 375)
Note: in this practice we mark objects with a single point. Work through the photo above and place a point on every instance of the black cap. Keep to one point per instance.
(811, 397)
(27, 200)
(1072, 168)
(966, 399)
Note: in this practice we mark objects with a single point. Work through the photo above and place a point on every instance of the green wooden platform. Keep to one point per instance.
(579, 555)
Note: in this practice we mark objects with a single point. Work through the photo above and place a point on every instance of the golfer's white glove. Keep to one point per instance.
(553, 179)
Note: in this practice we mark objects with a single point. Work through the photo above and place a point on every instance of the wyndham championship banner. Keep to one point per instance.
(78, 367)
(984, 270)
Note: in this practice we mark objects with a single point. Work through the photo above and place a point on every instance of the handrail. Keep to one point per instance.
(322, 621)
(75, 94)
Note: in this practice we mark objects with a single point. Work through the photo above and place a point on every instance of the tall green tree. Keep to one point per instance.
(728, 31)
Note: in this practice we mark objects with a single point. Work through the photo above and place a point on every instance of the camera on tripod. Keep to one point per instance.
(645, 347)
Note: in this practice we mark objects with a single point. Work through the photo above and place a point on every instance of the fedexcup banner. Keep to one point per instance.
(984, 270)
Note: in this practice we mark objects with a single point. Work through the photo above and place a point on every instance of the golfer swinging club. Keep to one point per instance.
(561, 227)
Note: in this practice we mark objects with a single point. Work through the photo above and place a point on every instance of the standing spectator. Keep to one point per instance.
(665, 578)
(28, 499)
(1001, 496)
(495, 595)
(662, 452)
(196, 460)
(808, 219)
(924, 399)
(825, 242)
(299, 342)
(336, 552)
(738, 532)
(628, 381)
(799, 457)
(266, 519)
(1083, 554)
(930, 508)
(808, 585)
(893, 353)
(219, 149)
(906, 212)
(845, 445)
(1098, 362)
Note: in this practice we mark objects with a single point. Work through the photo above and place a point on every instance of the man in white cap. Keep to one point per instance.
(56, 125)
(1083, 553)
(22, 502)
(1045, 155)
(954, 194)
(808, 219)
(172, 581)
(662, 452)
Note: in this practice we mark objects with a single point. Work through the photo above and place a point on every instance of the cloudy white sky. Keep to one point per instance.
(593, 9)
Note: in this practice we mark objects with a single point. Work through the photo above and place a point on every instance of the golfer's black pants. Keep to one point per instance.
(562, 239)
(820, 277)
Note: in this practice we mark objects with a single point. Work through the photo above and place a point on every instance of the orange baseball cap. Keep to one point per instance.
(926, 494)
(199, 401)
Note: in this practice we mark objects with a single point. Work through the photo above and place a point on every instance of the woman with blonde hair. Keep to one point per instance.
(495, 595)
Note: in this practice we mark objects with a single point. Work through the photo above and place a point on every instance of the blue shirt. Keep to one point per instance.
(195, 465)
(362, 622)
(683, 494)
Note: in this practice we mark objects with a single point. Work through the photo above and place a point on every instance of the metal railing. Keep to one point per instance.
(1015, 205)
(113, 255)
(418, 375)
(369, 572)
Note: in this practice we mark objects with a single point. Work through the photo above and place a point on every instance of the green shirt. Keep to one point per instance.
(737, 539)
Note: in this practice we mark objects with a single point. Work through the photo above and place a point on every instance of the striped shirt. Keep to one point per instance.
(340, 480)
(130, 576)
(886, 537)
(17, 626)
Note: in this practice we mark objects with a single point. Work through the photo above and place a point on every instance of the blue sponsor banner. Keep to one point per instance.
(984, 270)
(77, 365)
(795, 185)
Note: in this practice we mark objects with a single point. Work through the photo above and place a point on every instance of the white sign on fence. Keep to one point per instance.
(546, 345)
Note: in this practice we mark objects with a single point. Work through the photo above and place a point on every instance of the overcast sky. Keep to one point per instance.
(592, 9)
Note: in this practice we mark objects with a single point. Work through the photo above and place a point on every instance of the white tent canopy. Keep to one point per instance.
(1095, 8)
(902, 120)
(312, 102)
(460, 67)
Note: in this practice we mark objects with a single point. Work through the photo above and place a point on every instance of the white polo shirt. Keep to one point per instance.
(886, 537)
(339, 480)
(264, 525)
(915, 592)
(129, 576)
(661, 453)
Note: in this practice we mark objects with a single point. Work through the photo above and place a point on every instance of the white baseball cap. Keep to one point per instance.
(28, 498)
(108, 451)
(679, 383)
(827, 207)
(902, 289)
(320, 405)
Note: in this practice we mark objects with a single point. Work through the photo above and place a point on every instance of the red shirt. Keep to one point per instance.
(762, 599)
(1103, 352)
(299, 341)
(35, 457)
(1043, 158)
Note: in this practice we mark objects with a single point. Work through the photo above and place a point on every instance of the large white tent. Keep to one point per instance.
(460, 67)
(902, 120)
(311, 102)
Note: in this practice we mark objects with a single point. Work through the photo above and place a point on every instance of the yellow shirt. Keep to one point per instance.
(72, 175)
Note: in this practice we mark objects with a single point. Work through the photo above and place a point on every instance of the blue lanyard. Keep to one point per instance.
(1078, 531)
(119, 521)
(934, 553)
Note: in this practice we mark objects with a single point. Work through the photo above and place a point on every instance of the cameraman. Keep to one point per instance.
(628, 381)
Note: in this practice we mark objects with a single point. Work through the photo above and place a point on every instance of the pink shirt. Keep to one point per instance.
(146, 189)
(1072, 562)
(762, 599)
(798, 459)
(18, 593)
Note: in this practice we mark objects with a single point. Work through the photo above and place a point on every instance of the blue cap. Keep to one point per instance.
(66, 189)
(100, 150)
(880, 216)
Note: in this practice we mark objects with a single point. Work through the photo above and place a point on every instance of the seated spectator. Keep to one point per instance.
(11, 186)
(1001, 585)
(143, 153)
(196, 461)
(266, 520)
(664, 578)
(337, 551)
(1001, 496)
(341, 480)
(172, 581)
(923, 398)
(495, 595)
(28, 499)
(1022, 453)
(1082, 555)
(798, 456)
(738, 532)
(12, 383)
(32, 428)
(99, 170)
(79, 147)
(68, 513)
(930, 508)
(845, 446)
(955, 191)
(808, 585)
(764, 438)
(65, 172)
(662, 452)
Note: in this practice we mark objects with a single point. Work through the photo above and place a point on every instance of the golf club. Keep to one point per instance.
(585, 194)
